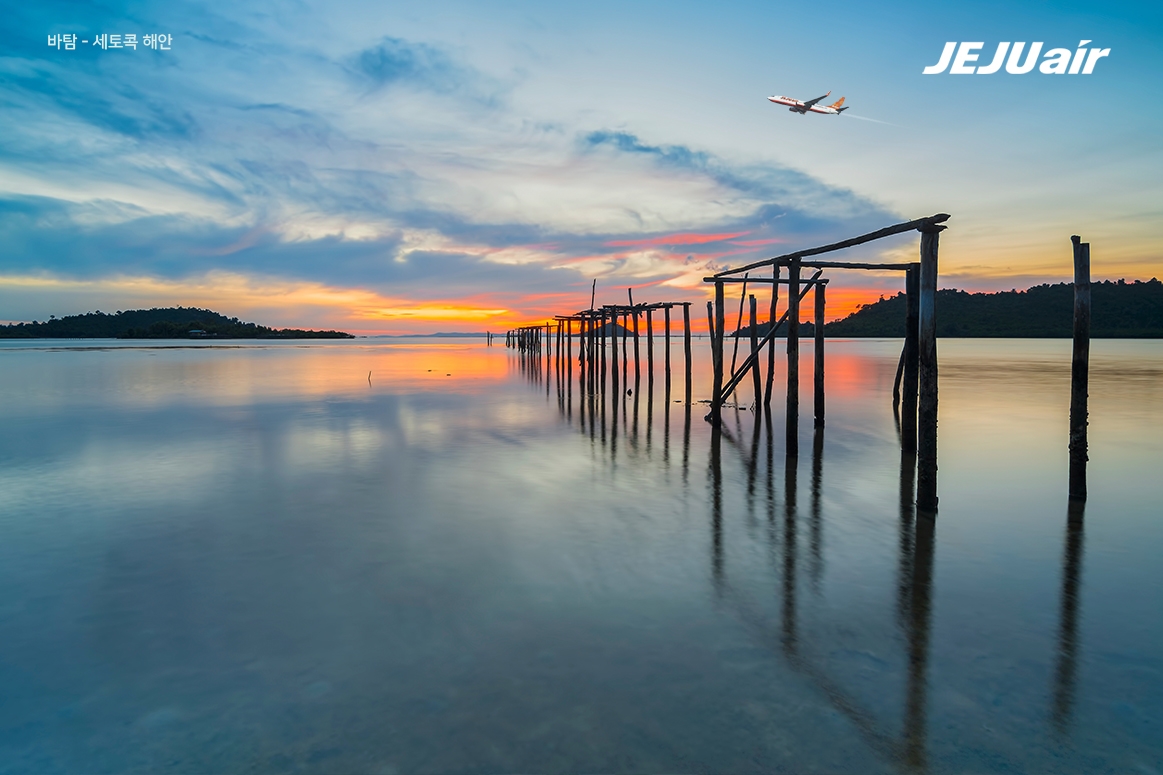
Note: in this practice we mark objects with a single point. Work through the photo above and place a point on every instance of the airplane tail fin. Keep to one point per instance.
(837, 103)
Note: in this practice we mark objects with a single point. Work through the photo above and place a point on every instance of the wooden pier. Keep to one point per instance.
(604, 361)
(918, 364)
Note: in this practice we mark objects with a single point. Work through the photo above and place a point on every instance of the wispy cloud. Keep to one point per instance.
(391, 169)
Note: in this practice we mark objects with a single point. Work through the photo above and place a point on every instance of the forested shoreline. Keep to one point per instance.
(156, 323)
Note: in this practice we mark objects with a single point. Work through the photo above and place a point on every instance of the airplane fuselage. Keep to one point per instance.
(796, 106)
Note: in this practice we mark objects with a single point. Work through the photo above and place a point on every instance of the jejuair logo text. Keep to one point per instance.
(1056, 61)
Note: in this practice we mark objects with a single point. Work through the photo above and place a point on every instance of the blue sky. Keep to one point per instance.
(407, 167)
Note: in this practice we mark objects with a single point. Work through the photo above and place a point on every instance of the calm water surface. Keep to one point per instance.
(260, 558)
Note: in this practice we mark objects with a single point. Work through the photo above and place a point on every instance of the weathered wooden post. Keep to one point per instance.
(686, 342)
(818, 397)
(911, 354)
(602, 348)
(771, 342)
(569, 344)
(614, 354)
(650, 343)
(793, 359)
(716, 363)
(625, 349)
(1080, 369)
(719, 350)
(755, 378)
(595, 357)
(666, 342)
(637, 352)
(927, 376)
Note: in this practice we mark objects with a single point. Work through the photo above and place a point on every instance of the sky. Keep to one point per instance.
(384, 167)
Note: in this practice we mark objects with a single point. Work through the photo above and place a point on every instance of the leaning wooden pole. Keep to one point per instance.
(1080, 369)
(927, 382)
(818, 331)
(686, 343)
(911, 354)
(792, 444)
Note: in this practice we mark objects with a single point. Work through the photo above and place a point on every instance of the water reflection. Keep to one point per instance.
(750, 443)
(1065, 671)
(439, 580)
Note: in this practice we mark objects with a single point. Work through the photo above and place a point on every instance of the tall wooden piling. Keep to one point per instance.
(771, 341)
(1080, 369)
(720, 340)
(757, 383)
(614, 352)
(818, 331)
(666, 342)
(602, 348)
(650, 344)
(637, 351)
(911, 354)
(793, 359)
(927, 374)
(686, 342)
(714, 314)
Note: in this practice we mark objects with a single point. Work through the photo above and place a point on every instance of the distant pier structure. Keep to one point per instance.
(607, 339)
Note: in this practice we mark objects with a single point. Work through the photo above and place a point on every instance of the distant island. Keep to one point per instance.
(157, 323)
(1119, 310)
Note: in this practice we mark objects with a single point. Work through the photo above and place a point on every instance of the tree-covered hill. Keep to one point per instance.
(1118, 310)
(157, 323)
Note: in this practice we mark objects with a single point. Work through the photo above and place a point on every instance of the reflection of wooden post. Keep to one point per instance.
(755, 379)
(792, 445)
(771, 342)
(818, 395)
(1065, 674)
(686, 343)
(927, 382)
(911, 353)
(1080, 369)
(919, 627)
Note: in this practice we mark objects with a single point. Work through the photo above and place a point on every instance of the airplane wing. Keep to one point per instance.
(810, 103)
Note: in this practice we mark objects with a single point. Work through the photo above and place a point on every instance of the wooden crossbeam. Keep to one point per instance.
(888, 231)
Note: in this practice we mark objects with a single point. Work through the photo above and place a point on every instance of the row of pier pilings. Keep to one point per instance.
(598, 331)
(608, 342)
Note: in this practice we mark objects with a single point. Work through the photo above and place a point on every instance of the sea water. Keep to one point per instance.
(426, 555)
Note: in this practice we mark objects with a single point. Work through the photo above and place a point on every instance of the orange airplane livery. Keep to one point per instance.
(803, 108)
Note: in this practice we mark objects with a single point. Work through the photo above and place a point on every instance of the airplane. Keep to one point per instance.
(795, 106)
